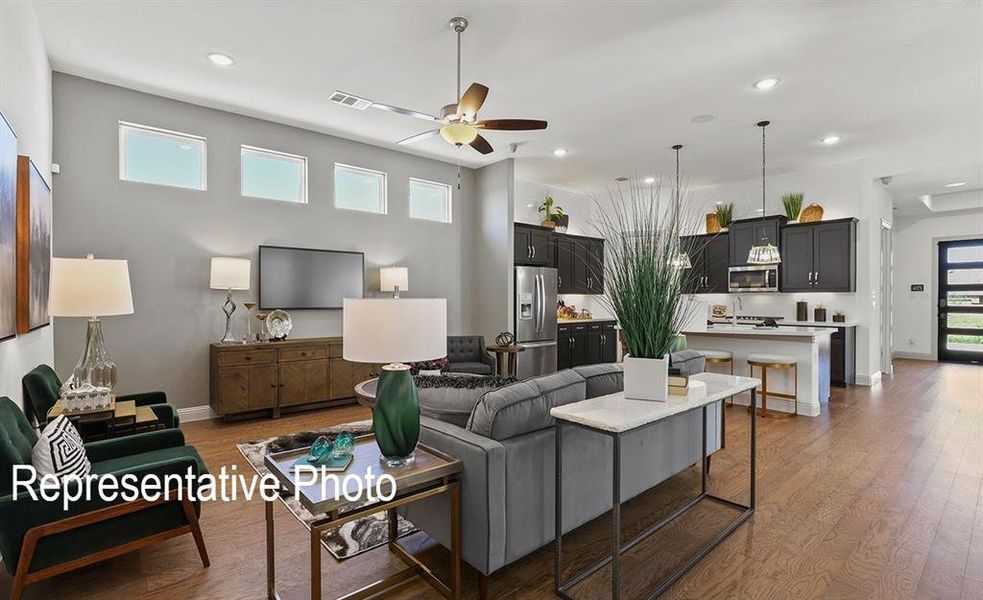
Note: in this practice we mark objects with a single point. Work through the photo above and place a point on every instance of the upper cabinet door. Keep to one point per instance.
(595, 266)
(564, 265)
(542, 248)
(834, 256)
(740, 238)
(716, 259)
(523, 246)
(580, 250)
(797, 257)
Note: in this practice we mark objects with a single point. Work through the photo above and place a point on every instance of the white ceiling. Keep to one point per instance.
(901, 82)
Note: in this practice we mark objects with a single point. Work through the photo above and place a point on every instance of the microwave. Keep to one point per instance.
(753, 278)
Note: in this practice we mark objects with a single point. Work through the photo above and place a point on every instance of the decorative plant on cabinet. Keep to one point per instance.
(793, 205)
(553, 215)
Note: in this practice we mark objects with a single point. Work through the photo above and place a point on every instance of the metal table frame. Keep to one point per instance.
(617, 548)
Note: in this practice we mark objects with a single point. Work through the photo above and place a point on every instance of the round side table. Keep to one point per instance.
(501, 352)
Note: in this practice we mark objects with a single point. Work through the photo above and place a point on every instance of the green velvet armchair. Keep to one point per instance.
(39, 539)
(42, 388)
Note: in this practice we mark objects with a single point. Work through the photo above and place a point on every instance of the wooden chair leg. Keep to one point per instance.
(189, 513)
(482, 586)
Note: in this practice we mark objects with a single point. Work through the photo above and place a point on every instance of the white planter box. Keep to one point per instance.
(646, 378)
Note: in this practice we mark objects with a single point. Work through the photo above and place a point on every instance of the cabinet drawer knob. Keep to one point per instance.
(248, 357)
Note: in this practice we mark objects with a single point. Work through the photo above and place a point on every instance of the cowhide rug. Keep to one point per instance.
(351, 538)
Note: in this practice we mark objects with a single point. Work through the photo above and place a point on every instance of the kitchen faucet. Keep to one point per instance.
(736, 302)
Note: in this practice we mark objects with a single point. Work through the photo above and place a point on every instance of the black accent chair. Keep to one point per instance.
(466, 354)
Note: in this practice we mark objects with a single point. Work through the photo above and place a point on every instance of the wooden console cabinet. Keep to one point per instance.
(275, 376)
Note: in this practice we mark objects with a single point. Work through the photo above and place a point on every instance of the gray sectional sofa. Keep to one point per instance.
(508, 478)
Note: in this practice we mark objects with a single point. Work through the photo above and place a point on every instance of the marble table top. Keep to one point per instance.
(617, 414)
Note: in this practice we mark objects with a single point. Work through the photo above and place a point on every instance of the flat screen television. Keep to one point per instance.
(299, 278)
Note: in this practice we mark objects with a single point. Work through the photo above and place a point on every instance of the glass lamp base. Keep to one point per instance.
(398, 462)
(94, 367)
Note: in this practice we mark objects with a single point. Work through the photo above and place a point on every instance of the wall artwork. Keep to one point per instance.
(8, 231)
(33, 246)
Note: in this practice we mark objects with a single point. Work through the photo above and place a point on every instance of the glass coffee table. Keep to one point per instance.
(432, 473)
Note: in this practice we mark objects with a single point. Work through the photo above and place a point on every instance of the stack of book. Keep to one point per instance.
(678, 383)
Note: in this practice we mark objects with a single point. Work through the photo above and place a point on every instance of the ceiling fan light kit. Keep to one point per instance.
(458, 122)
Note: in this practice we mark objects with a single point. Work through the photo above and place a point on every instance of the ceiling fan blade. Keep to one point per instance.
(481, 145)
(471, 101)
(419, 137)
(511, 124)
(405, 111)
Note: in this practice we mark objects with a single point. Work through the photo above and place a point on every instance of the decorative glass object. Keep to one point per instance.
(344, 444)
(279, 324)
(94, 367)
(249, 322)
(320, 449)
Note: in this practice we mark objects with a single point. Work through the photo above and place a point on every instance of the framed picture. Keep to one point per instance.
(8, 231)
(33, 246)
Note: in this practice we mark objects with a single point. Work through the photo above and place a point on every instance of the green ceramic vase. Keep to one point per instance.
(396, 416)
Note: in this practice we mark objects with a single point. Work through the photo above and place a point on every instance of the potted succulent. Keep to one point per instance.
(725, 214)
(793, 205)
(643, 288)
(553, 215)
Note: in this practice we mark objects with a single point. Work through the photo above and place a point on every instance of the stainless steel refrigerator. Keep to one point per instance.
(535, 320)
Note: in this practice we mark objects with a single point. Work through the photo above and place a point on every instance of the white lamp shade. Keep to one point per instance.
(390, 277)
(89, 287)
(384, 330)
(230, 273)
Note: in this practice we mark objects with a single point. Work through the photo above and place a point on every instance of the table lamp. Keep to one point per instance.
(229, 274)
(394, 279)
(93, 288)
(384, 330)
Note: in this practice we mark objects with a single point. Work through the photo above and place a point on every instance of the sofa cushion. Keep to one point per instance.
(602, 379)
(689, 362)
(451, 399)
(525, 406)
(17, 438)
(475, 368)
(465, 348)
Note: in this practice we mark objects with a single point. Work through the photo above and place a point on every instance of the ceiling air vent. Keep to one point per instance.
(350, 101)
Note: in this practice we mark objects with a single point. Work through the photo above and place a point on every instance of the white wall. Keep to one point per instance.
(25, 101)
(916, 261)
(844, 190)
(491, 250)
(529, 195)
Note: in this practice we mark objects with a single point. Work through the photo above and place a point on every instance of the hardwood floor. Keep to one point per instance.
(880, 497)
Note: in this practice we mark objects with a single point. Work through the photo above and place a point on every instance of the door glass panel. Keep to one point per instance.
(964, 320)
(954, 299)
(965, 254)
(965, 343)
(964, 276)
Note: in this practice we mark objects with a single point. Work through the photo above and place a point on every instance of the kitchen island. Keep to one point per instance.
(810, 346)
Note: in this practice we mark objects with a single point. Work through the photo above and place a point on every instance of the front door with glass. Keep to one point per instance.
(961, 300)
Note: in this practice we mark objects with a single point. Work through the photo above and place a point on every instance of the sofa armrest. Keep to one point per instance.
(489, 360)
(166, 414)
(133, 444)
(483, 490)
(19, 516)
(145, 398)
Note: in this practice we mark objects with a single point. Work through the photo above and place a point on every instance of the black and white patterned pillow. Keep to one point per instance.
(60, 451)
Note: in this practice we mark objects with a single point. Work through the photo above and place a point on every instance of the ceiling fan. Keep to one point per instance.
(459, 124)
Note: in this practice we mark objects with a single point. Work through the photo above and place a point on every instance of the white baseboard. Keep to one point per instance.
(780, 405)
(914, 355)
(869, 380)
(196, 413)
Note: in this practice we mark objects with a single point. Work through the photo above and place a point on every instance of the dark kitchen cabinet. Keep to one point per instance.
(533, 246)
(749, 232)
(820, 257)
(586, 343)
(709, 259)
(579, 264)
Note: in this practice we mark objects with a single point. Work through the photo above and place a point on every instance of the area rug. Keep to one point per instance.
(351, 538)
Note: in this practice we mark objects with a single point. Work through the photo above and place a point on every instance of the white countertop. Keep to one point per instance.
(590, 320)
(784, 322)
(617, 414)
(752, 331)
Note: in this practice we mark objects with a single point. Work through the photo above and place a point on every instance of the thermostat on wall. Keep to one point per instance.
(918, 287)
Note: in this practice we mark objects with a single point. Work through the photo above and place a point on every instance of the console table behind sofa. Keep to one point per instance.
(273, 376)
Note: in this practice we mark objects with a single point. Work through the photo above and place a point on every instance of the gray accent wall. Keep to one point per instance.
(169, 234)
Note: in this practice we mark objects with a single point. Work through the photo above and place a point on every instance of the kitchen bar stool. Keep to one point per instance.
(774, 361)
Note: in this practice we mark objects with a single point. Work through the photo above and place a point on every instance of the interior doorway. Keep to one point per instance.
(887, 299)
(960, 300)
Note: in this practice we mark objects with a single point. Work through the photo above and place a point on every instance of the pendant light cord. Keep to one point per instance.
(762, 125)
(677, 148)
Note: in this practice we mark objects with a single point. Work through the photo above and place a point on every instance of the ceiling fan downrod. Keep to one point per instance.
(458, 24)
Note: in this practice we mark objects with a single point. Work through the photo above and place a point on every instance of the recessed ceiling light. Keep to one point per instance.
(703, 118)
(767, 83)
(222, 60)
(649, 180)
(530, 205)
(560, 152)
(955, 184)
(829, 140)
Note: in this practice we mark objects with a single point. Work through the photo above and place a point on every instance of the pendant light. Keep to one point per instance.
(681, 260)
(765, 253)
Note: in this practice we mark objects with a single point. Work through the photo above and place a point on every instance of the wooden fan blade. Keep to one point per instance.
(471, 101)
(419, 137)
(481, 145)
(511, 124)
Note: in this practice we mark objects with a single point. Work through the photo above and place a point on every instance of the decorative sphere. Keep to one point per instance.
(505, 338)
